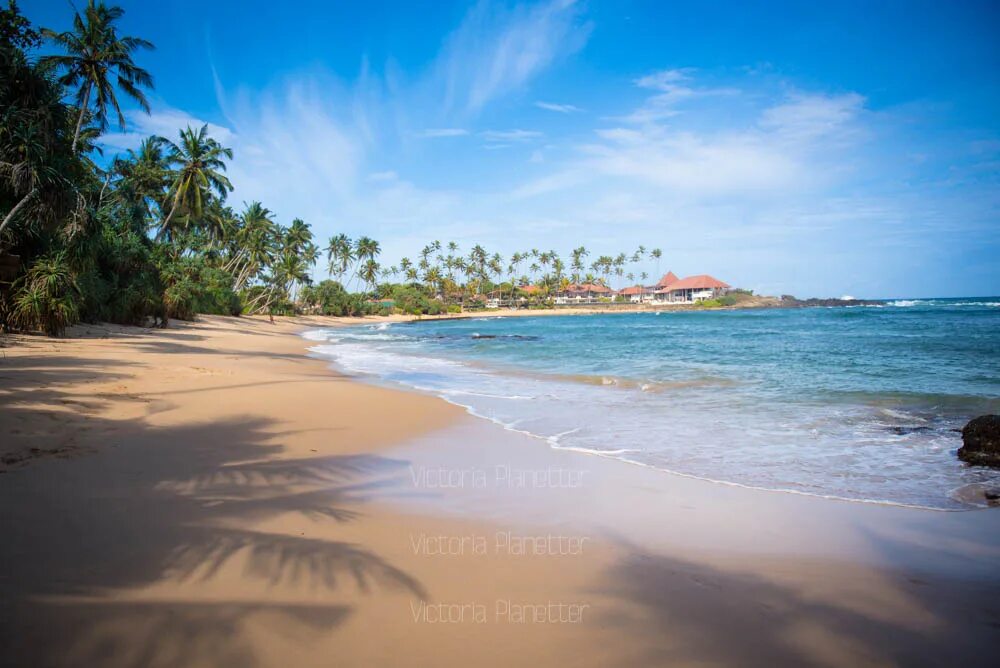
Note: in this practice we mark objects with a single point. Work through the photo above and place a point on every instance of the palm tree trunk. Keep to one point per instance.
(79, 121)
(17, 207)
(163, 225)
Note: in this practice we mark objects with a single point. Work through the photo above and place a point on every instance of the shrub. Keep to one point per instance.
(192, 288)
(47, 296)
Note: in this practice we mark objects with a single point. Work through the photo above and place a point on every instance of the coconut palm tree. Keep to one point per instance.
(141, 179)
(255, 245)
(339, 255)
(37, 168)
(369, 272)
(94, 54)
(198, 162)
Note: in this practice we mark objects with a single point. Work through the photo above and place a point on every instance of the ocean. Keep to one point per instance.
(860, 403)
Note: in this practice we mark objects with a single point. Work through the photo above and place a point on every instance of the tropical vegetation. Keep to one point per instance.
(151, 234)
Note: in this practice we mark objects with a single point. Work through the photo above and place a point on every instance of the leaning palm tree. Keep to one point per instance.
(199, 163)
(94, 54)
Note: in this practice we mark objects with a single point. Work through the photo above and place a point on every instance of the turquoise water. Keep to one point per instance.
(859, 403)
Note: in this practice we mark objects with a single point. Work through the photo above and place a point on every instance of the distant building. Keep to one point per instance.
(637, 294)
(645, 294)
(673, 290)
(690, 290)
(583, 293)
(667, 279)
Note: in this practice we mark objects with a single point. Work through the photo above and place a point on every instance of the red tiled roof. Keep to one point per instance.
(699, 282)
(530, 289)
(589, 287)
(635, 290)
(668, 279)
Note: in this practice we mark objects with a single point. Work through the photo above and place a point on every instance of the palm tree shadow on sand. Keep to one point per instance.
(176, 508)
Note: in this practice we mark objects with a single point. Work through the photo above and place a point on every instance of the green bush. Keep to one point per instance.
(414, 300)
(192, 288)
(47, 296)
(330, 298)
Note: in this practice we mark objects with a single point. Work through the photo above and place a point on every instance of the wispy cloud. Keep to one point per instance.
(560, 108)
(674, 88)
(510, 135)
(443, 132)
(163, 121)
(805, 116)
(496, 50)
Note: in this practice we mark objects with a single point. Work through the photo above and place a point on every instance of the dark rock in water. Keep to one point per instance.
(514, 337)
(992, 495)
(788, 301)
(981, 441)
(903, 431)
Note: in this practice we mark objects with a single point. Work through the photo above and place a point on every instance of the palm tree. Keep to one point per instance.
(199, 162)
(577, 263)
(298, 236)
(365, 252)
(142, 179)
(655, 254)
(369, 272)
(94, 53)
(339, 255)
(405, 266)
(255, 245)
(37, 168)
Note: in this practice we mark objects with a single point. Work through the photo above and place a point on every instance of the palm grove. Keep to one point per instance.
(150, 234)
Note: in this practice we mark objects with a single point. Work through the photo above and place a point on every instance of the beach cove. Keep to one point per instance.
(210, 494)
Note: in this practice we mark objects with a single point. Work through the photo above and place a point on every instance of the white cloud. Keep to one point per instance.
(443, 132)
(165, 122)
(496, 51)
(510, 135)
(688, 162)
(664, 80)
(560, 108)
(674, 88)
(805, 116)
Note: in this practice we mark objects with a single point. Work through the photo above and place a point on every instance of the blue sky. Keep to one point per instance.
(806, 148)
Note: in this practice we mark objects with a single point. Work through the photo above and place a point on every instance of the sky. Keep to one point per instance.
(816, 149)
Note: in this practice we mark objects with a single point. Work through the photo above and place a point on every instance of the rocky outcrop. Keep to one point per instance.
(981, 441)
(788, 301)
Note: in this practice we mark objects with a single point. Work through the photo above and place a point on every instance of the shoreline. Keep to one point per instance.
(215, 496)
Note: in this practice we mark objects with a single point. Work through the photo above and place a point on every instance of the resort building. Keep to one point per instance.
(690, 290)
(645, 294)
(583, 293)
(637, 294)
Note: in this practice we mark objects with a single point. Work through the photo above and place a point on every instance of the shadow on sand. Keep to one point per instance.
(77, 536)
(688, 612)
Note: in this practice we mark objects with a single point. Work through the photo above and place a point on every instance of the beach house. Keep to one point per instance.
(636, 294)
(583, 293)
(644, 294)
(690, 290)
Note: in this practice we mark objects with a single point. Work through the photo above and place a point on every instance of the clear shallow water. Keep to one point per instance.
(858, 403)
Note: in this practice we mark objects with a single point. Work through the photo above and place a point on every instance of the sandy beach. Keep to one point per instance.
(211, 495)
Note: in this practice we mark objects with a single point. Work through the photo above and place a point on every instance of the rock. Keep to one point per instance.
(981, 441)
